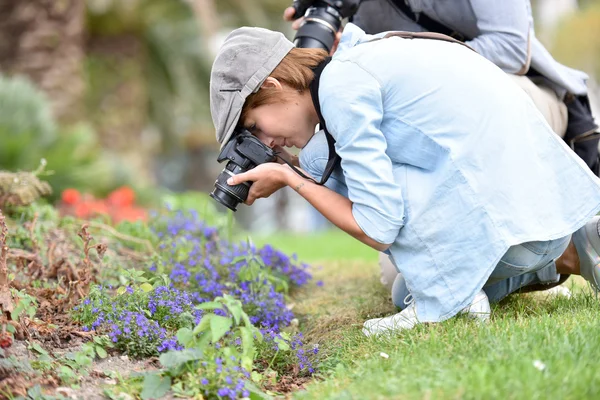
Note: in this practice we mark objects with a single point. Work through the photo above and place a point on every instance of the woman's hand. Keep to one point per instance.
(288, 15)
(268, 178)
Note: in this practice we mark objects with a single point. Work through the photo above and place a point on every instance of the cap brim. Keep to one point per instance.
(234, 119)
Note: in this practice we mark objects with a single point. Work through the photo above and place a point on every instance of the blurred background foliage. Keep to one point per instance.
(114, 92)
(577, 39)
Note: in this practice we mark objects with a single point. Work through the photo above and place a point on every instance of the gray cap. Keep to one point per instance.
(245, 60)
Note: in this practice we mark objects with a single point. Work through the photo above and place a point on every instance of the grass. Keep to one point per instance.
(534, 347)
(332, 244)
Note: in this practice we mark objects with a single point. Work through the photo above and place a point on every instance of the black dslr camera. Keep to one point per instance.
(322, 20)
(244, 152)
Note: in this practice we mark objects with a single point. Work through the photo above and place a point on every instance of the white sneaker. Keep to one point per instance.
(558, 291)
(479, 309)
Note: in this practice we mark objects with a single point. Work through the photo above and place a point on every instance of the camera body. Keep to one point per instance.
(243, 152)
(322, 21)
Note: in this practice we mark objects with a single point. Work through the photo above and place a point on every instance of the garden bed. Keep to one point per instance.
(147, 310)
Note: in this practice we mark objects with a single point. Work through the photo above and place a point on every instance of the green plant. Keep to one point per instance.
(29, 135)
(25, 123)
(35, 393)
(125, 387)
(132, 294)
(25, 304)
(73, 364)
(218, 355)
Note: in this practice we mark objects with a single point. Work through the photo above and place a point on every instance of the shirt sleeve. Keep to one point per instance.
(504, 28)
(352, 106)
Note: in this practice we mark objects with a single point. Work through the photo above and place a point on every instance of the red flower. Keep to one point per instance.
(71, 196)
(5, 340)
(122, 197)
(128, 214)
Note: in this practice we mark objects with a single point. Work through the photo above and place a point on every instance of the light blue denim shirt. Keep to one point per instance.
(444, 157)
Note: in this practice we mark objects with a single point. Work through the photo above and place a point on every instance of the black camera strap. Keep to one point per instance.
(333, 160)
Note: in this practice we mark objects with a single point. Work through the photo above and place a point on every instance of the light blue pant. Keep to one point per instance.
(525, 264)
(522, 265)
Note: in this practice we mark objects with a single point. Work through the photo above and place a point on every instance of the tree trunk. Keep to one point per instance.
(43, 40)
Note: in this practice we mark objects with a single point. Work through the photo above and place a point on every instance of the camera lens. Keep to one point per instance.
(230, 196)
(319, 29)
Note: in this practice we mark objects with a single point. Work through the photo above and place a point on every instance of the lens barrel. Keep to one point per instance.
(229, 196)
(319, 29)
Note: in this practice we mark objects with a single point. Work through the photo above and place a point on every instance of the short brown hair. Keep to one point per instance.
(295, 70)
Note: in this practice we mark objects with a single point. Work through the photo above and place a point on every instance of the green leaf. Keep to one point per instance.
(184, 336)
(281, 343)
(155, 386)
(219, 326)
(14, 314)
(247, 342)
(210, 305)
(173, 358)
(255, 392)
(35, 392)
(256, 377)
(236, 311)
(35, 346)
(82, 359)
(246, 320)
(101, 352)
(203, 342)
(247, 363)
(146, 287)
(31, 310)
(204, 324)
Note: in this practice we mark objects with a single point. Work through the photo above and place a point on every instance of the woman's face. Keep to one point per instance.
(287, 123)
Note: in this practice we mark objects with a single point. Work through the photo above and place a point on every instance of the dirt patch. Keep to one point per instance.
(45, 270)
(102, 374)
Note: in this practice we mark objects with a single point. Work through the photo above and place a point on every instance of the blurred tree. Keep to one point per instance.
(29, 138)
(149, 69)
(43, 39)
(577, 40)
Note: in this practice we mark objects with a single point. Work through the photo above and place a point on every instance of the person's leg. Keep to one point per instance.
(526, 264)
(580, 257)
(521, 265)
(388, 271)
(545, 99)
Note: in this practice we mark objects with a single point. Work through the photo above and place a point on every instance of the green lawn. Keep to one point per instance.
(534, 347)
(332, 244)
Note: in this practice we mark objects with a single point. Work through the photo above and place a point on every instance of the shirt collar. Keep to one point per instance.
(352, 36)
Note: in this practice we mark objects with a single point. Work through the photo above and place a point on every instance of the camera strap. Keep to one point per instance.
(334, 159)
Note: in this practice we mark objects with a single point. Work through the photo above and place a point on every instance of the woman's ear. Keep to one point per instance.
(271, 83)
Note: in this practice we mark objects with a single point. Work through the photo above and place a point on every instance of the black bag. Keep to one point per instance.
(581, 131)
